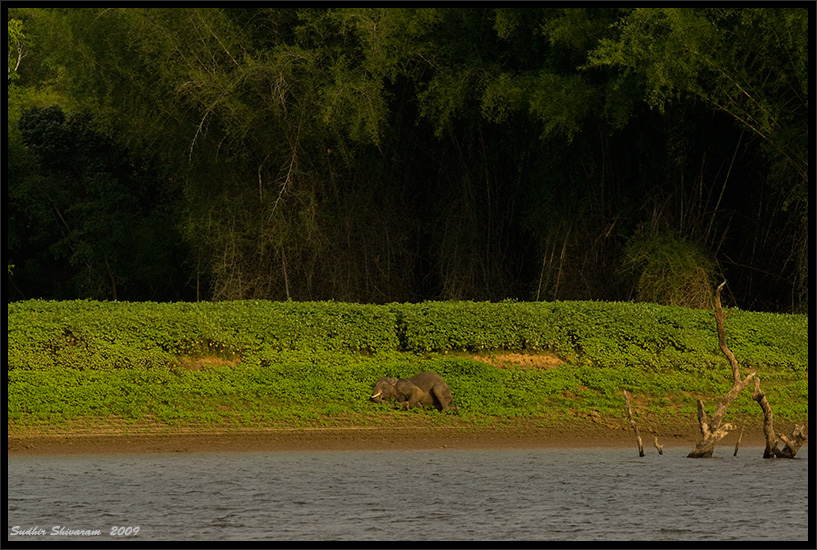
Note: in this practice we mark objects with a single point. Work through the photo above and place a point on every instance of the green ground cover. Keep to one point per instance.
(256, 363)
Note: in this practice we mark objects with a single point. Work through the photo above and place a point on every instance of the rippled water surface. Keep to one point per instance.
(537, 494)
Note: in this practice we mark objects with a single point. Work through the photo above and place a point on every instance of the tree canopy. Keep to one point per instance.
(404, 154)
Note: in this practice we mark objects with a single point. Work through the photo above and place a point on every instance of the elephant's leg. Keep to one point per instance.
(442, 395)
(416, 398)
(413, 396)
(408, 394)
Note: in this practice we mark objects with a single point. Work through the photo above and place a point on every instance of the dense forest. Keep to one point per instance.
(409, 154)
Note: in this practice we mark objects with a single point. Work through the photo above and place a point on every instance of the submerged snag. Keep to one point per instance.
(740, 436)
(792, 443)
(634, 425)
(712, 431)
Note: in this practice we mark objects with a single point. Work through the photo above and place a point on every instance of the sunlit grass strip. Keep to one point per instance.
(327, 386)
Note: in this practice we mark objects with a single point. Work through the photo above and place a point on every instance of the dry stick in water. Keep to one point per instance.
(633, 424)
(658, 445)
(740, 436)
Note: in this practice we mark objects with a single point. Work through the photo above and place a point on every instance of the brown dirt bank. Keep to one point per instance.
(510, 434)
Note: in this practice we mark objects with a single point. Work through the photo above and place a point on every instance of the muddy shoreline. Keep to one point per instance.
(353, 438)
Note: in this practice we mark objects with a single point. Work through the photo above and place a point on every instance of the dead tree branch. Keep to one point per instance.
(712, 431)
(792, 443)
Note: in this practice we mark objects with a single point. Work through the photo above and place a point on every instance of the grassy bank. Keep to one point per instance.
(263, 364)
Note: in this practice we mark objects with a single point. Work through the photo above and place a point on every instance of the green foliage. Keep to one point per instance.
(16, 39)
(669, 270)
(112, 335)
(295, 387)
(104, 335)
(250, 362)
(605, 334)
(748, 63)
(102, 230)
(476, 326)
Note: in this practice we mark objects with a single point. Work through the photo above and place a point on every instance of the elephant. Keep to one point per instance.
(426, 389)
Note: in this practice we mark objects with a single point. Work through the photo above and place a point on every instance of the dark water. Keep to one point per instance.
(537, 494)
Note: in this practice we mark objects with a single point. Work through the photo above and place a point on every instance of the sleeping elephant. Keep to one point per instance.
(426, 389)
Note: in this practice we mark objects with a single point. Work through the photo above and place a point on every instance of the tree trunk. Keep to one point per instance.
(791, 443)
(712, 431)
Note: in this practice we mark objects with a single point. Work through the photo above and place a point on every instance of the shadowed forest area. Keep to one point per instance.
(409, 154)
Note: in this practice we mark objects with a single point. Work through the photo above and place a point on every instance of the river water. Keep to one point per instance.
(536, 494)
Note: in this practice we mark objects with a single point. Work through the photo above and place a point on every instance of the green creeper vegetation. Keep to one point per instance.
(259, 363)
(379, 155)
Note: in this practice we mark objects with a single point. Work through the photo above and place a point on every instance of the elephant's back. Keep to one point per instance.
(426, 379)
